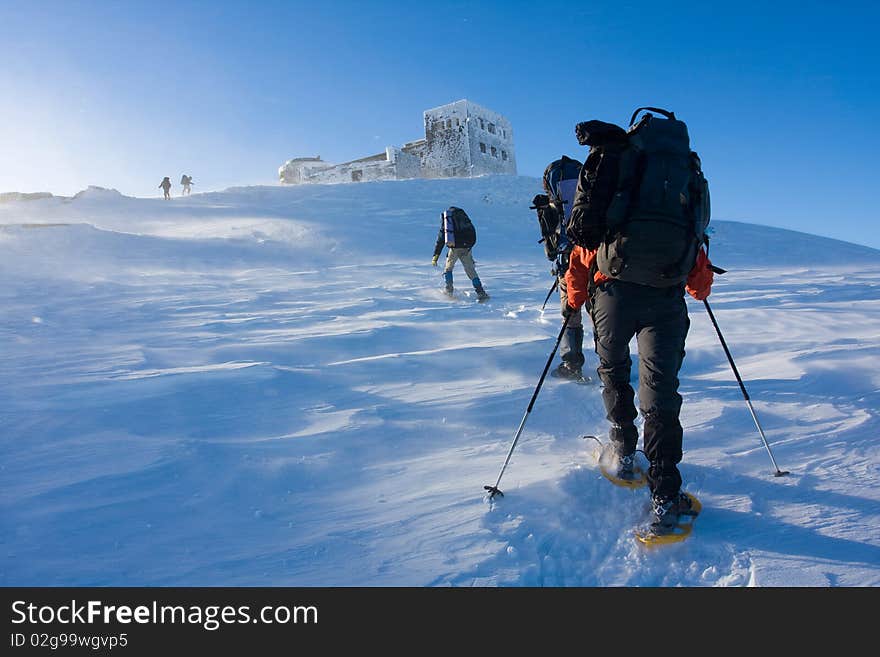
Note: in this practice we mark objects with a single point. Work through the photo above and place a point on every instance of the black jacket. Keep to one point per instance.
(597, 182)
(441, 240)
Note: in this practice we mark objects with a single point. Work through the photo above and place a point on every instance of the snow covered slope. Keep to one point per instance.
(264, 386)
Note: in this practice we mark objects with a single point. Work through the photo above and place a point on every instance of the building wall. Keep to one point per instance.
(406, 163)
(446, 153)
(462, 139)
(360, 171)
(300, 169)
(490, 142)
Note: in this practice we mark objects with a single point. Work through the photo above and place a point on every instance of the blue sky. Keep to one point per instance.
(780, 97)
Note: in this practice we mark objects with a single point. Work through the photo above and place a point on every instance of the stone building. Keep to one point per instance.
(462, 139)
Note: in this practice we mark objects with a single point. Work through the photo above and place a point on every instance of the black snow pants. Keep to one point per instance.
(658, 318)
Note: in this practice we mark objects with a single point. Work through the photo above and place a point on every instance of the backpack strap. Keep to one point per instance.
(591, 284)
(667, 114)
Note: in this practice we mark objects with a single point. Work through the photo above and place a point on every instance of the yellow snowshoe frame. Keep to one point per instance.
(685, 526)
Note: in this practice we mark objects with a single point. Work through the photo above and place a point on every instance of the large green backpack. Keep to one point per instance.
(657, 217)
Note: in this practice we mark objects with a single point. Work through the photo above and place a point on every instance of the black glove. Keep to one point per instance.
(593, 238)
(568, 310)
(540, 201)
(562, 262)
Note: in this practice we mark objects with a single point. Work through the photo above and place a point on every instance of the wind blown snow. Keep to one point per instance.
(264, 386)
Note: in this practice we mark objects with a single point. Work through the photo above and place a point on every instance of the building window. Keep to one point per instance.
(492, 128)
(482, 147)
(457, 122)
(448, 123)
(482, 125)
(503, 134)
(504, 155)
(494, 152)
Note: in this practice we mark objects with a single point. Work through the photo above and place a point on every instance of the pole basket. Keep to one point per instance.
(493, 491)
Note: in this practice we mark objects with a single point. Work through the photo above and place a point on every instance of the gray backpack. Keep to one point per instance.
(657, 217)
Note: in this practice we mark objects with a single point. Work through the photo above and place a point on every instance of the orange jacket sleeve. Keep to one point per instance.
(577, 278)
(699, 281)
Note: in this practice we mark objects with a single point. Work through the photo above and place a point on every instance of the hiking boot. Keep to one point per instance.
(447, 277)
(565, 371)
(478, 288)
(668, 510)
(622, 464)
(625, 467)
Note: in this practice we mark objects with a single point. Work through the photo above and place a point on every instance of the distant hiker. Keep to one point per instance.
(639, 223)
(187, 182)
(457, 232)
(554, 209)
(166, 187)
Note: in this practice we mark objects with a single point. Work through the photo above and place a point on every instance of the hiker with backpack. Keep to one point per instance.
(166, 187)
(554, 210)
(638, 221)
(458, 234)
(187, 183)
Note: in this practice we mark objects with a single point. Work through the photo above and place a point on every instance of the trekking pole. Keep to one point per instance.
(742, 387)
(493, 490)
(555, 284)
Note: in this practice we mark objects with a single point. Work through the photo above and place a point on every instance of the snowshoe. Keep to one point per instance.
(672, 521)
(622, 470)
(563, 371)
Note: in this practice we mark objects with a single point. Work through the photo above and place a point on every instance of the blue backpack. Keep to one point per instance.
(554, 210)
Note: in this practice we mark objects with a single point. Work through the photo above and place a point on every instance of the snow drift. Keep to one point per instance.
(264, 386)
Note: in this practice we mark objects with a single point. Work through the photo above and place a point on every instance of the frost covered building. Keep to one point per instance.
(462, 139)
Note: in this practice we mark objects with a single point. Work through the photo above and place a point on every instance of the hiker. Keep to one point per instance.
(554, 209)
(187, 182)
(631, 267)
(166, 187)
(457, 232)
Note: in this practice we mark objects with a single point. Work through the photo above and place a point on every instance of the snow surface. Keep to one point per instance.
(249, 388)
